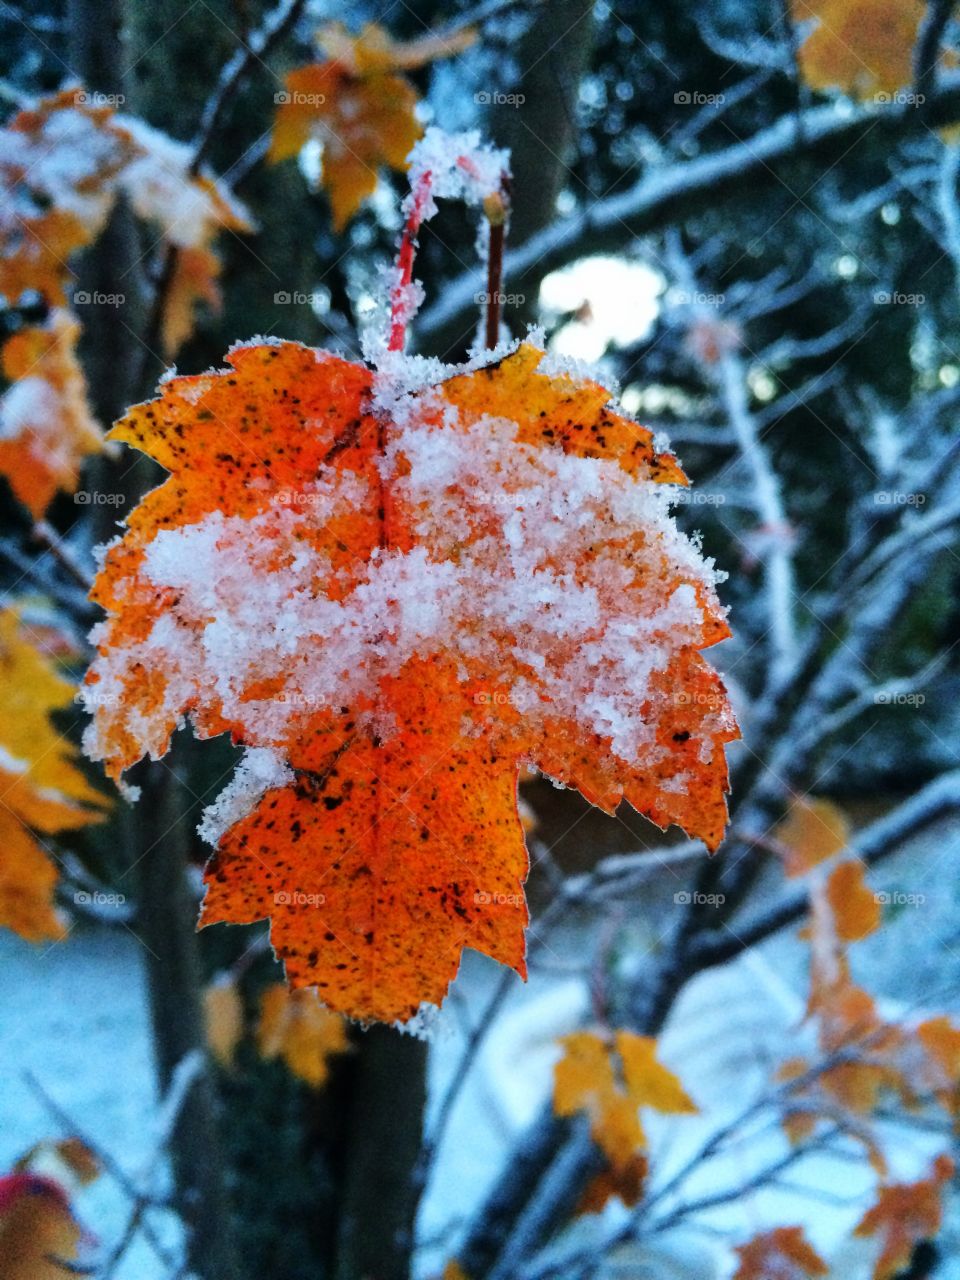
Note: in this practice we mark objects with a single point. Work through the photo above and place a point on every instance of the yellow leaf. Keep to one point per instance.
(295, 1026)
(375, 50)
(42, 787)
(359, 107)
(863, 47)
(649, 1082)
(223, 1010)
(586, 1079)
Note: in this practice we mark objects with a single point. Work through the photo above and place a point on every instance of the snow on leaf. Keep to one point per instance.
(863, 47)
(406, 589)
(296, 1027)
(58, 162)
(46, 429)
(813, 831)
(43, 790)
(904, 1214)
(359, 107)
(783, 1253)
(189, 210)
(62, 164)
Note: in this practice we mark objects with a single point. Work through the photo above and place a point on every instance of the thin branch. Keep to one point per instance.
(927, 53)
(668, 193)
(872, 845)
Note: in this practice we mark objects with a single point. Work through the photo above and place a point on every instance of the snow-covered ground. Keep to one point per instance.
(74, 1019)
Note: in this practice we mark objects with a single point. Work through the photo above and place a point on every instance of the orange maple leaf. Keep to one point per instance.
(41, 787)
(397, 605)
(904, 1214)
(46, 428)
(784, 1253)
(863, 47)
(359, 107)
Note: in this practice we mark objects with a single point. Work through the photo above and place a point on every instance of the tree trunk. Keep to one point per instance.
(384, 1134)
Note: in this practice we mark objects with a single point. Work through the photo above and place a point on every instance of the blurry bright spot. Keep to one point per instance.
(654, 400)
(614, 301)
(632, 399)
(949, 375)
(365, 303)
(566, 203)
(761, 384)
(890, 213)
(847, 266)
(310, 161)
(320, 300)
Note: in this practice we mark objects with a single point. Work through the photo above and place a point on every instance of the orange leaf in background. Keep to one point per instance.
(783, 1253)
(194, 280)
(42, 788)
(60, 159)
(38, 1232)
(625, 1183)
(940, 1040)
(358, 107)
(62, 166)
(46, 429)
(295, 1026)
(904, 1214)
(856, 911)
(223, 1016)
(863, 47)
(813, 831)
(849, 1028)
(395, 604)
(68, 1160)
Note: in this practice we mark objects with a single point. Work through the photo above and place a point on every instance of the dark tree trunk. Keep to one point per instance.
(384, 1134)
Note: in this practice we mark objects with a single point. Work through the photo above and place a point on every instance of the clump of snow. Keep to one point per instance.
(460, 167)
(258, 772)
(59, 163)
(161, 189)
